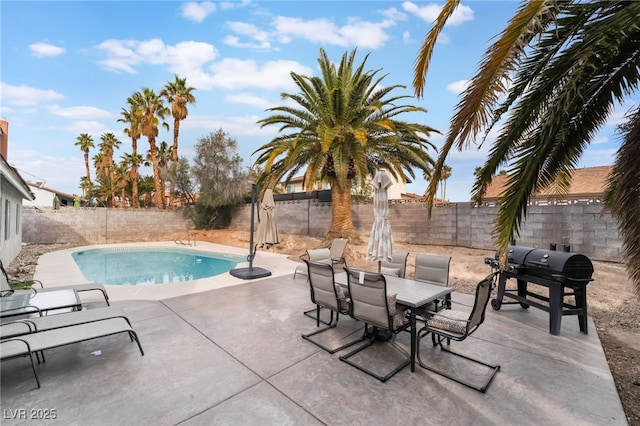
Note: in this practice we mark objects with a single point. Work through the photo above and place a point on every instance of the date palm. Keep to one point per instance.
(131, 118)
(85, 142)
(570, 63)
(152, 111)
(343, 127)
(108, 143)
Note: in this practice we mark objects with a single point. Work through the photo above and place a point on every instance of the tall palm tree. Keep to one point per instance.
(343, 127)
(133, 162)
(570, 62)
(85, 142)
(131, 118)
(163, 158)
(446, 174)
(179, 95)
(152, 113)
(108, 143)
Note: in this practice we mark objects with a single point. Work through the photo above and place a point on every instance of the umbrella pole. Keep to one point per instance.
(251, 272)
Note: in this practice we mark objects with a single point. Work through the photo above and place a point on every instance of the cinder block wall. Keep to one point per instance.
(587, 228)
(101, 226)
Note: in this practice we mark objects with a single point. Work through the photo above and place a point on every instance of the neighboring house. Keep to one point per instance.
(395, 192)
(587, 187)
(13, 189)
(44, 196)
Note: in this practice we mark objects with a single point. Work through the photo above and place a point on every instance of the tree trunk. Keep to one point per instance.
(134, 171)
(153, 150)
(174, 159)
(341, 216)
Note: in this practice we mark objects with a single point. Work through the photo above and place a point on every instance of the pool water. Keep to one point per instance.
(144, 266)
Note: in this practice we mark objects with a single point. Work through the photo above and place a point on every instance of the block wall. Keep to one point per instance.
(587, 228)
(101, 225)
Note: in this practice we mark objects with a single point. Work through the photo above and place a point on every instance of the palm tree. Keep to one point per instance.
(133, 162)
(446, 174)
(343, 127)
(152, 112)
(108, 143)
(570, 62)
(85, 142)
(163, 158)
(178, 94)
(131, 118)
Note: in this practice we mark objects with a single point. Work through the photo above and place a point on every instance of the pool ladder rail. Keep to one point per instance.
(188, 236)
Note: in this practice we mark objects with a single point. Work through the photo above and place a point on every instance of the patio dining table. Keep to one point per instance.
(412, 294)
(39, 303)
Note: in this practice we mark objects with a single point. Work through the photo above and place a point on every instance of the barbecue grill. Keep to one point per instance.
(565, 274)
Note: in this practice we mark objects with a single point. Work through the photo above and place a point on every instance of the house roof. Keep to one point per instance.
(39, 185)
(585, 181)
(15, 179)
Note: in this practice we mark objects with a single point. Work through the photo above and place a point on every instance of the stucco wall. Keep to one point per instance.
(10, 221)
(585, 227)
(101, 225)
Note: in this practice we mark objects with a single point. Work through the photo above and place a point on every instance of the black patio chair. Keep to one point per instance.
(457, 325)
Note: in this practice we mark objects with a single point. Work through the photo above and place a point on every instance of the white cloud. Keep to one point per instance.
(226, 5)
(356, 32)
(79, 112)
(198, 11)
(245, 125)
(185, 59)
(249, 99)
(394, 14)
(430, 12)
(45, 50)
(61, 173)
(260, 37)
(235, 74)
(27, 96)
(458, 87)
(94, 128)
(406, 37)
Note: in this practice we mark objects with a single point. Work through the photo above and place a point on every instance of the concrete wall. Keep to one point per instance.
(585, 227)
(101, 225)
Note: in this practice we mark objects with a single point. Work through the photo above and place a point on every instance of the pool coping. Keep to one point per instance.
(58, 268)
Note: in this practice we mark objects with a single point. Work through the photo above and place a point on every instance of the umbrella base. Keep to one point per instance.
(250, 273)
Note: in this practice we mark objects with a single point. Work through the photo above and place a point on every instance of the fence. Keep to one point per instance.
(588, 228)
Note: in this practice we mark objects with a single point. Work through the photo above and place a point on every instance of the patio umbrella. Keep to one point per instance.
(267, 233)
(381, 241)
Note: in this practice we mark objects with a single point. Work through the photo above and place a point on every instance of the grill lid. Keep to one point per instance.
(559, 265)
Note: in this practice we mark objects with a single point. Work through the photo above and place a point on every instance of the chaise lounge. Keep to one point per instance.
(34, 343)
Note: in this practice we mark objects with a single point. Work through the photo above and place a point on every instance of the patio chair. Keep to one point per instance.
(397, 266)
(37, 324)
(327, 294)
(337, 249)
(371, 305)
(34, 343)
(458, 325)
(321, 255)
(433, 269)
(6, 287)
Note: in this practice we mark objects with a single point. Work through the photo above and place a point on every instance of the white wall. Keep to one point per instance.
(43, 198)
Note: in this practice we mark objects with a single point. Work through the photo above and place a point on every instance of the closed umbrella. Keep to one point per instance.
(267, 233)
(381, 241)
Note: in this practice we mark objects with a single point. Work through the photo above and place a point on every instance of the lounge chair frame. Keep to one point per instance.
(29, 344)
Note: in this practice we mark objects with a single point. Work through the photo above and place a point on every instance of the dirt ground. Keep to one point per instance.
(612, 304)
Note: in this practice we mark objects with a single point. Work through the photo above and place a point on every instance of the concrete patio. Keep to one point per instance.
(234, 356)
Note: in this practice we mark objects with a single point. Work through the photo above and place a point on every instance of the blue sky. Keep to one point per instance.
(67, 67)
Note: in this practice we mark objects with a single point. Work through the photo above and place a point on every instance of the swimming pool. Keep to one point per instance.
(149, 265)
